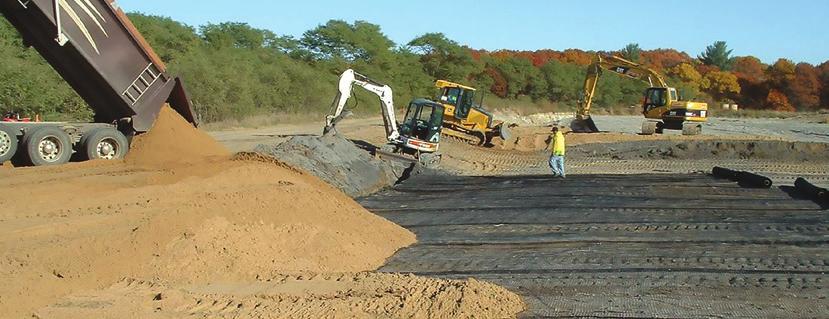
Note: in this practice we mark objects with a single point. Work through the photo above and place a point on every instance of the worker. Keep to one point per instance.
(557, 146)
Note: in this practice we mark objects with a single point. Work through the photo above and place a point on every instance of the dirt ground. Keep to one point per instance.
(161, 235)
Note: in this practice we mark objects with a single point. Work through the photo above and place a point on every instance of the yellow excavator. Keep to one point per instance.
(661, 105)
(465, 120)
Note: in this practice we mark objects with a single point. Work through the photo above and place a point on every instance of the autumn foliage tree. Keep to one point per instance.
(687, 73)
(778, 101)
(805, 87)
(234, 70)
(749, 68)
(722, 85)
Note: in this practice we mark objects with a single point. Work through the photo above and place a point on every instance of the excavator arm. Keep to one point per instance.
(583, 122)
(348, 80)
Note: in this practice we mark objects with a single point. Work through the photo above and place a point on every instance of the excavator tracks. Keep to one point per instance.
(619, 246)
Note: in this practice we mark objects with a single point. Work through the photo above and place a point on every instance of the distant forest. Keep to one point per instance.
(233, 70)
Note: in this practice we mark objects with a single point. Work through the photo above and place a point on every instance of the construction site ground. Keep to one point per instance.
(637, 230)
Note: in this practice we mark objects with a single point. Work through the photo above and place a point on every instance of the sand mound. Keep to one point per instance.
(173, 140)
(322, 296)
(208, 230)
(228, 221)
(337, 161)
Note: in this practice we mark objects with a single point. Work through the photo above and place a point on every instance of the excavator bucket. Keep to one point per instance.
(584, 125)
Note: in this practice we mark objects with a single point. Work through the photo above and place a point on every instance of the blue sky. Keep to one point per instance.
(768, 29)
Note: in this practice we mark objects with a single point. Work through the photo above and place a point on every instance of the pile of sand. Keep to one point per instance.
(363, 295)
(172, 140)
(211, 232)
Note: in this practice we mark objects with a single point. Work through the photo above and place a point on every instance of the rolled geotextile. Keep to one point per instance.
(754, 180)
(810, 190)
(722, 172)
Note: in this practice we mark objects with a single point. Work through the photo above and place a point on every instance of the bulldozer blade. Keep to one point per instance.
(504, 132)
(584, 126)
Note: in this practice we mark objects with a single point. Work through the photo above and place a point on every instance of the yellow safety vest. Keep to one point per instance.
(557, 145)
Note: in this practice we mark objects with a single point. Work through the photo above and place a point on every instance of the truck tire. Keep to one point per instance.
(47, 146)
(8, 144)
(104, 144)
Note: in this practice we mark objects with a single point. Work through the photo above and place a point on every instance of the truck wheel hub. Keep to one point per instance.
(106, 149)
(5, 142)
(49, 149)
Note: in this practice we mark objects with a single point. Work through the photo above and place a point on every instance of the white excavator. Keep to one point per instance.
(418, 135)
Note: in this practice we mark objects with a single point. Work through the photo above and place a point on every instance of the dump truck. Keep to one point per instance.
(98, 51)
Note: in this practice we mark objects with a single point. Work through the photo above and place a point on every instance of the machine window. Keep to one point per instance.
(451, 96)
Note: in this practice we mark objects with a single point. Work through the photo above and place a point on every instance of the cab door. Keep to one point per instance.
(654, 98)
(460, 99)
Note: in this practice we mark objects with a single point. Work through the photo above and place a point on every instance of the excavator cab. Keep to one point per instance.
(655, 98)
(423, 121)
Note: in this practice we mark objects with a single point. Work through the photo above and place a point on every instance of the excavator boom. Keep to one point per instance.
(348, 80)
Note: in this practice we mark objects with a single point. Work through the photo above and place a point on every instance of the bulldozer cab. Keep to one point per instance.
(459, 96)
(423, 121)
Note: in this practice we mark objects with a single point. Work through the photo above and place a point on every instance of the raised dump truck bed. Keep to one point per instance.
(97, 50)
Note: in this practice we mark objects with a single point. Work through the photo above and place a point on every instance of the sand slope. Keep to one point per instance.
(217, 228)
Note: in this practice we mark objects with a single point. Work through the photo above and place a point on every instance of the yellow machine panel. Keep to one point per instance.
(465, 120)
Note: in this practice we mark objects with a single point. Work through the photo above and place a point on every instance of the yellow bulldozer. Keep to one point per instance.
(662, 106)
(463, 119)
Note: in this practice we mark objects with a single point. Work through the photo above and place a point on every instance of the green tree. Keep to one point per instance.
(522, 77)
(717, 55)
(237, 35)
(338, 39)
(564, 81)
(169, 38)
(445, 59)
(631, 52)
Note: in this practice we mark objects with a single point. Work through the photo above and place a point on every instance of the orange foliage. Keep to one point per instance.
(499, 86)
(804, 91)
(778, 101)
(663, 59)
(749, 68)
(781, 72)
(705, 69)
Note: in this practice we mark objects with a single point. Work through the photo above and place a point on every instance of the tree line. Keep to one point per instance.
(233, 70)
